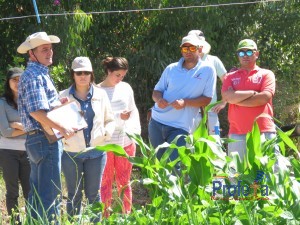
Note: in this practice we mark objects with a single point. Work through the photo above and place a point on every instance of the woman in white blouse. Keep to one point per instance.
(127, 120)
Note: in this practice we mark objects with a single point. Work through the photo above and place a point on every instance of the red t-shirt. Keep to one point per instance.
(241, 118)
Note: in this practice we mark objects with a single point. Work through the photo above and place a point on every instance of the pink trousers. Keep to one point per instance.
(120, 169)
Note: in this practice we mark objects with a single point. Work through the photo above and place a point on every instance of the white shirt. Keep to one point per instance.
(122, 99)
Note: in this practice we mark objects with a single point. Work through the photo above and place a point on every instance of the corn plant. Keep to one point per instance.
(197, 195)
(187, 197)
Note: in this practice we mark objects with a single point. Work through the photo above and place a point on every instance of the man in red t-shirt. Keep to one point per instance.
(249, 91)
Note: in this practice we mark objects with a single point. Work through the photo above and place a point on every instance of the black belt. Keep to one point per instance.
(33, 132)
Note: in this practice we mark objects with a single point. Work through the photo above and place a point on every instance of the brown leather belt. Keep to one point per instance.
(33, 132)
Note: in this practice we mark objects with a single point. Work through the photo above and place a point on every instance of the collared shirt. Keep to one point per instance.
(241, 118)
(177, 82)
(36, 92)
(88, 113)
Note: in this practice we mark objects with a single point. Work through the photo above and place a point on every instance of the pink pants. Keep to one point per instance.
(120, 168)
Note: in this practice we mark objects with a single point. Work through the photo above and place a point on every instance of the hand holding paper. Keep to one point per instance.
(69, 117)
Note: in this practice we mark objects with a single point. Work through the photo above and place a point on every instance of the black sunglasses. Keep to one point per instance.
(81, 73)
(242, 53)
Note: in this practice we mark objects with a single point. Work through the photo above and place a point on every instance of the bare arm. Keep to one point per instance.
(192, 102)
(180, 103)
(41, 117)
(234, 97)
(17, 129)
(197, 102)
(217, 108)
(17, 132)
(157, 97)
(9, 129)
(258, 99)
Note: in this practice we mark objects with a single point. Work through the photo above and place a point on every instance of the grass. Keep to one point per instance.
(176, 200)
(3, 211)
(139, 193)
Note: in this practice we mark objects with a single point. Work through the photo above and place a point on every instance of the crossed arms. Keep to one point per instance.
(248, 98)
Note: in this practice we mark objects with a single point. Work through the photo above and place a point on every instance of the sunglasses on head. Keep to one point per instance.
(81, 73)
(185, 49)
(242, 53)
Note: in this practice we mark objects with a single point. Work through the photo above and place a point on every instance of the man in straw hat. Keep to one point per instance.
(213, 120)
(249, 91)
(183, 88)
(37, 96)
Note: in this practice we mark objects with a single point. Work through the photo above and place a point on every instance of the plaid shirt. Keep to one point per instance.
(36, 92)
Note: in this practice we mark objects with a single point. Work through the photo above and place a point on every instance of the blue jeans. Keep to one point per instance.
(82, 174)
(160, 133)
(45, 180)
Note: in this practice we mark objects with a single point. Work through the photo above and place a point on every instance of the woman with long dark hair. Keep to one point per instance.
(13, 157)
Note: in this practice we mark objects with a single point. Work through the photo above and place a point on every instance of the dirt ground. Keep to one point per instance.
(140, 195)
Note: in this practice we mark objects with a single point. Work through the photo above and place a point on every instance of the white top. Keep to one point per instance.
(218, 66)
(122, 99)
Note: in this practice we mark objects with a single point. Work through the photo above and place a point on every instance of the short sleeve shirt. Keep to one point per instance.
(218, 66)
(241, 118)
(177, 82)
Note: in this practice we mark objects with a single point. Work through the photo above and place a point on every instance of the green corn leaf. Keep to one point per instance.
(296, 167)
(201, 171)
(285, 138)
(116, 149)
(139, 141)
(253, 144)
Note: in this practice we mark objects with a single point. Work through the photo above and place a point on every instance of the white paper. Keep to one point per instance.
(68, 115)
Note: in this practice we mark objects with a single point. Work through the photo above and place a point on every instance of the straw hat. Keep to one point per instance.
(35, 40)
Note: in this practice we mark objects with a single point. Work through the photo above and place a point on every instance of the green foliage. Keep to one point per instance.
(188, 196)
(183, 198)
(60, 77)
(151, 39)
(116, 149)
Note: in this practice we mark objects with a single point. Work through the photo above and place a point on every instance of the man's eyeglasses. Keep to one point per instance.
(188, 48)
(242, 53)
(81, 73)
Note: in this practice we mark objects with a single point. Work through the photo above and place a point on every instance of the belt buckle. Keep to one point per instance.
(32, 132)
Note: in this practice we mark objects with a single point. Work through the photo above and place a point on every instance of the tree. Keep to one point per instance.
(150, 39)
